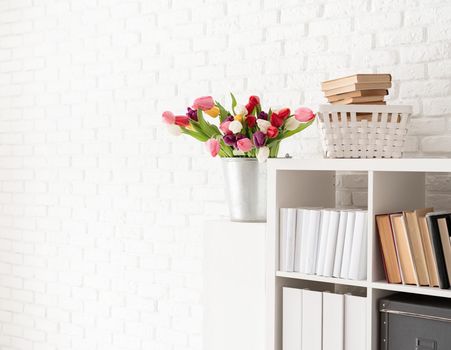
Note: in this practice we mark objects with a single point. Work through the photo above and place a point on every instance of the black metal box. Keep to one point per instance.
(413, 322)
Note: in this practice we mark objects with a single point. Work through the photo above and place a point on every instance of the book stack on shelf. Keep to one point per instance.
(322, 320)
(357, 89)
(324, 242)
(416, 247)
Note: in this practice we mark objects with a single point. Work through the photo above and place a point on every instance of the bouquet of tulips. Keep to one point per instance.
(245, 131)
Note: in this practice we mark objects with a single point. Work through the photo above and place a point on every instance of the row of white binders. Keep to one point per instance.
(323, 321)
(325, 242)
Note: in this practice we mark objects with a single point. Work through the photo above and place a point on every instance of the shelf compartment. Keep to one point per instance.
(382, 285)
(391, 192)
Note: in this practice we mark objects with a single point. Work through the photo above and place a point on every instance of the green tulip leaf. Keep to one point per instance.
(234, 103)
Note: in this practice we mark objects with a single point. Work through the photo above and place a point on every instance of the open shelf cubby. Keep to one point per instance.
(393, 185)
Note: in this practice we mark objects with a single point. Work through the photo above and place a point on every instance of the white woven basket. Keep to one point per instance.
(363, 131)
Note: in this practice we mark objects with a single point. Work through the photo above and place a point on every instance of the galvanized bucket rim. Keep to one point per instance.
(238, 159)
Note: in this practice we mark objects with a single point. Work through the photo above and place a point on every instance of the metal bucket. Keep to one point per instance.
(245, 188)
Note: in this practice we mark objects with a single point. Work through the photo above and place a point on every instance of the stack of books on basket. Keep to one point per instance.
(416, 247)
(357, 89)
(325, 242)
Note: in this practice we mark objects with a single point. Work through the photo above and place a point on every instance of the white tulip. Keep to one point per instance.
(241, 110)
(292, 123)
(174, 130)
(263, 154)
(263, 125)
(235, 126)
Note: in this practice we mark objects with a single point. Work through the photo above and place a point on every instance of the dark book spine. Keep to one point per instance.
(438, 252)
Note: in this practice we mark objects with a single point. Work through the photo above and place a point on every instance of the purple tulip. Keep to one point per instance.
(259, 139)
(230, 140)
(230, 118)
(192, 114)
(239, 137)
(263, 115)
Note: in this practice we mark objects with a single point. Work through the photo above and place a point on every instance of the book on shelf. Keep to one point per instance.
(388, 248)
(298, 239)
(355, 322)
(333, 321)
(331, 243)
(357, 94)
(444, 228)
(312, 319)
(307, 220)
(354, 79)
(431, 262)
(321, 241)
(349, 235)
(416, 244)
(357, 86)
(324, 228)
(405, 258)
(310, 248)
(315, 320)
(292, 319)
(415, 247)
(358, 263)
(432, 221)
(287, 238)
(341, 234)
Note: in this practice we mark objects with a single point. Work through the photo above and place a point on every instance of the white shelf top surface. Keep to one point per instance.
(381, 285)
(316, 278)
(402, 164)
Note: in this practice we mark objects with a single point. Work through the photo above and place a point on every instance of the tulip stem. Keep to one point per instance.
(274, 150)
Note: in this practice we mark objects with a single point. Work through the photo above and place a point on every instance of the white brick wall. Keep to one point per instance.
(100, 210)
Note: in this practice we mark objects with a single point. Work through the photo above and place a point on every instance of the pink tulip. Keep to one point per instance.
(168, 117)
(304, 114)
(244, 145)
(225, 128)
(204, 103)
(212, 147)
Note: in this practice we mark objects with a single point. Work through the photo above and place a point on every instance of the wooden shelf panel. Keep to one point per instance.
(437, 292)
(315, 278)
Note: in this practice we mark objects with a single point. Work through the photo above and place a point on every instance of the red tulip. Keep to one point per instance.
(182, 120)
(276, 120)
(253, 102)
(251, 121)
(272, 132)
(204, 103)
(284, 113)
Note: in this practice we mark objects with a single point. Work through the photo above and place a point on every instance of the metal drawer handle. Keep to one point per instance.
(425, 344)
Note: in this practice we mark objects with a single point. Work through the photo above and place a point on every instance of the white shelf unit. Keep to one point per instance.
(393, 185)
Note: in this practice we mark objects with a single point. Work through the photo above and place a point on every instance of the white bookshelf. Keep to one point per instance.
(393, 185)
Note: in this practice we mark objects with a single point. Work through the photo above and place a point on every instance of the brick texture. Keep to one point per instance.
(101, 211)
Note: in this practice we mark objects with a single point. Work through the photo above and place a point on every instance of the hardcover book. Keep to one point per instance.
(354, 79)
(388, 249)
